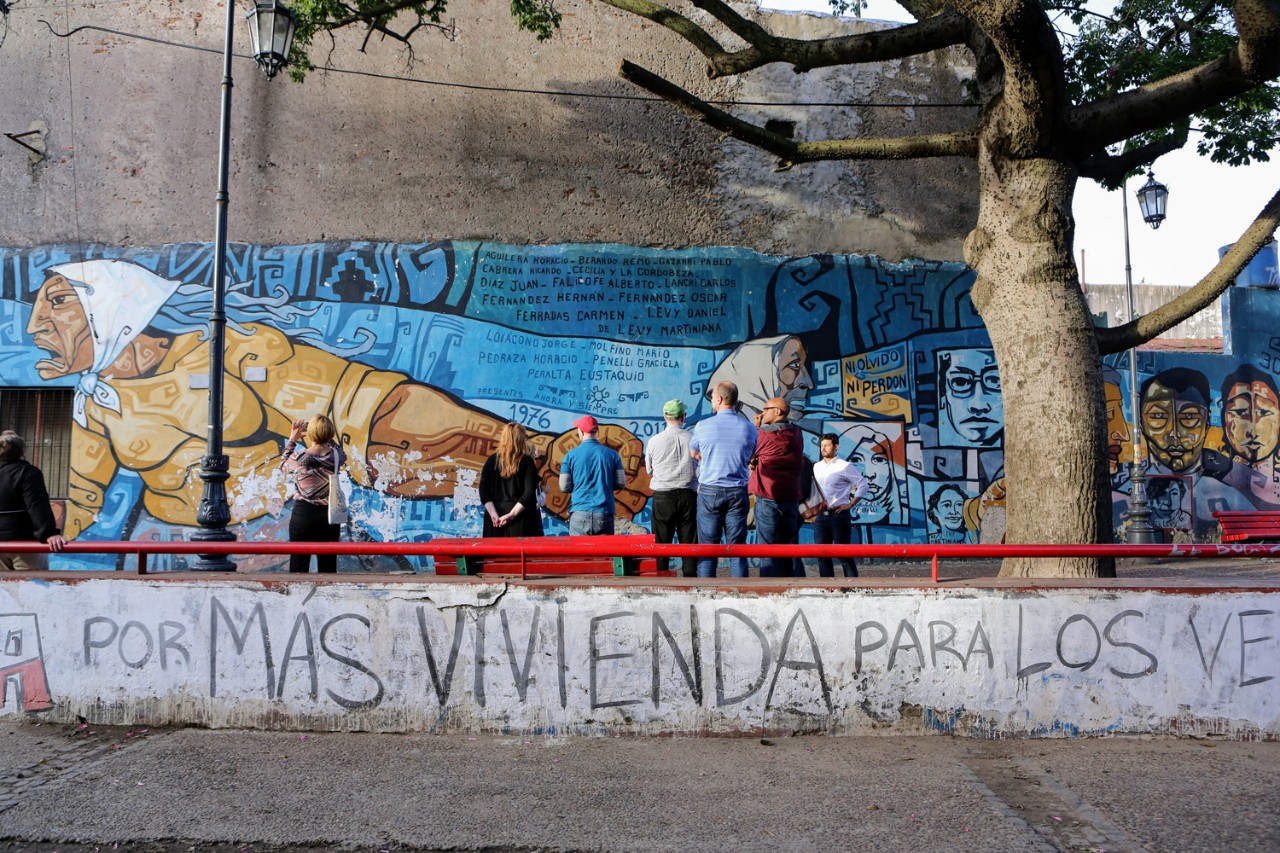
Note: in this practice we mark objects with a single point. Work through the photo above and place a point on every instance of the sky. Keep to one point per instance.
(1210, 205)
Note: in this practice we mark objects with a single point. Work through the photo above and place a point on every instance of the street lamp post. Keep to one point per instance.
(1152, 198)
(271, 28)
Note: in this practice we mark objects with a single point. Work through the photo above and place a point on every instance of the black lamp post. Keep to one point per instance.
(1152, 198)
(271, 28)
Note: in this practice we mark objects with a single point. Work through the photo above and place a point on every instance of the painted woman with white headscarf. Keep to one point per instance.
(765, 368)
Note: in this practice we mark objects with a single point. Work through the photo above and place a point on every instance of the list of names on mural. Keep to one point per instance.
(630, 295)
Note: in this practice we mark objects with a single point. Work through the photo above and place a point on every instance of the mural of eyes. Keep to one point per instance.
(961, 382)
(1192, 417)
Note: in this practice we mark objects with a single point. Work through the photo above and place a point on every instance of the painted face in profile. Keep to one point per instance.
(794, 379)
(1119, 436)
(1176, 425)
(60, 327)
(1251, 421)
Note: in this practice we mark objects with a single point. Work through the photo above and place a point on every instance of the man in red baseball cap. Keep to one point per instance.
(589, 474)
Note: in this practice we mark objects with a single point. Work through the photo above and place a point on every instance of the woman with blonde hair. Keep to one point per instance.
(309, 468)
(509, 487)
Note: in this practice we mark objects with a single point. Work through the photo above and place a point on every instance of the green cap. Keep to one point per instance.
(674, 409)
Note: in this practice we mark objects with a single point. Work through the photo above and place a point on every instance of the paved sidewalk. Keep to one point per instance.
(78, 789)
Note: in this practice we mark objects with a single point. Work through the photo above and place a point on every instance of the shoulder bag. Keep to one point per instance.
(337, 502)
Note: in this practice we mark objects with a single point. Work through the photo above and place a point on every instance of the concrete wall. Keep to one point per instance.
(1112, 301)
(131, 126)
(488, 657)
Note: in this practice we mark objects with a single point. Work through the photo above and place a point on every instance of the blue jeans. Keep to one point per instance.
(834, 529)
(584, 523)
(777, 523)
(722, 510)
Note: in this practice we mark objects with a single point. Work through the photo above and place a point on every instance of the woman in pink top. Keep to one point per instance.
(309, 469)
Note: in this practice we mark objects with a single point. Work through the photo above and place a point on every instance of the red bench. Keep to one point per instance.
(599, 562)
(1246, 526)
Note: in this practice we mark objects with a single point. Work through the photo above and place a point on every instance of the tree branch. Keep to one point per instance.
(1255, 60)
(1110, 170)
(790, 152)
(936, 33)
(677, 23)
(1144, 328)
(764, 48)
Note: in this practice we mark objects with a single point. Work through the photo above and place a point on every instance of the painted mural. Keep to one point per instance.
(1210, 423)
(421, 352)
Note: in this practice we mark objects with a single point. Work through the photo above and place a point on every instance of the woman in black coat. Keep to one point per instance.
(509, 487)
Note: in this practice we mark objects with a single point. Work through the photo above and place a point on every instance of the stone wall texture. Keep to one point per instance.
(394, 145)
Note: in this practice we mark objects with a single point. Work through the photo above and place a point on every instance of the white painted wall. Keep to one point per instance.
(471, 657)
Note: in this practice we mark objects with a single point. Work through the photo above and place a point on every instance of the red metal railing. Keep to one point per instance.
(579, 547)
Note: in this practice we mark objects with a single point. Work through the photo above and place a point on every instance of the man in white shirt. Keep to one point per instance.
(673, 476)
(842, 485)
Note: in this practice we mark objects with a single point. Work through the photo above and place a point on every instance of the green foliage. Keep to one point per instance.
(1145, 40)
(848, 7)
(539, 17)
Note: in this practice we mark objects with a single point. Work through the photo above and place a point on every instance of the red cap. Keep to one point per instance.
(586, 423)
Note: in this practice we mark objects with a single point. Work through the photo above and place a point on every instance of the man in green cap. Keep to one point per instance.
(673, 476)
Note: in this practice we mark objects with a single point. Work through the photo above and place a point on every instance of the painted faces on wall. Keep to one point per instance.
(1250, 415)
(1169, 505)
(969, 391)
(1119, 436)
(794, 380)
(60, 327)
(871, 457)
(1175, 417)
(764, 368)
(946, 509)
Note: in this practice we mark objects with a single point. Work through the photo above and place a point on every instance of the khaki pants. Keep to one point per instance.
(24, 562)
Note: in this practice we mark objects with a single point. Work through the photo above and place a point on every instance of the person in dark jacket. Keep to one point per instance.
(509, 487)
(25, 514)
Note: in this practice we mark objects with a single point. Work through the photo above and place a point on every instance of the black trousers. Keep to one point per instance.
(310, 523)
(675, 514)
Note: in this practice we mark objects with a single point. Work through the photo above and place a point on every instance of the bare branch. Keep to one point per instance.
(1209, 288)
(749, 31)
(934, 33)
(693, 106)
(789, 152)
(677, 23)
(1110, 170)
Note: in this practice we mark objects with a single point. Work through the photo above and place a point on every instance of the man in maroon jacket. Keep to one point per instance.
(775, 481)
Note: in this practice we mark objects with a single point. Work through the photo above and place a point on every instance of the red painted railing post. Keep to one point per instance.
(935, 566)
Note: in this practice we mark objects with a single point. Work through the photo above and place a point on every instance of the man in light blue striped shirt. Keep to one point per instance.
(723, 445)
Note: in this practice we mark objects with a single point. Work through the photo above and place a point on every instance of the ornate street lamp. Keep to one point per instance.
(271, 26)
(271, 29)
(1152, 198)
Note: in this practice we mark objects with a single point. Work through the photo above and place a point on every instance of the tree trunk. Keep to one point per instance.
(1029, 296)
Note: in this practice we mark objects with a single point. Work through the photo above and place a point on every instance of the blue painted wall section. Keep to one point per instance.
(421, 352)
